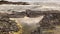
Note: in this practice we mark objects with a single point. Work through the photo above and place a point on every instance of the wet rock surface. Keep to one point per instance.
(47, 24)
(7, 25)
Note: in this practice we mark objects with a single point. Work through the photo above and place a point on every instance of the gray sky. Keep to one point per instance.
(35, 0)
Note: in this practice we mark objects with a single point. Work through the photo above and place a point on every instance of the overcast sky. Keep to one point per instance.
(34, 0)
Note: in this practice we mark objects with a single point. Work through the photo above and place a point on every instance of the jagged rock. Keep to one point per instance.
(7, 25)
(48, 23)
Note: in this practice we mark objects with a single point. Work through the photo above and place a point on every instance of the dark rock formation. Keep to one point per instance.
(14, 3)
(48, 23)
(7, 25)
(37, 13)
